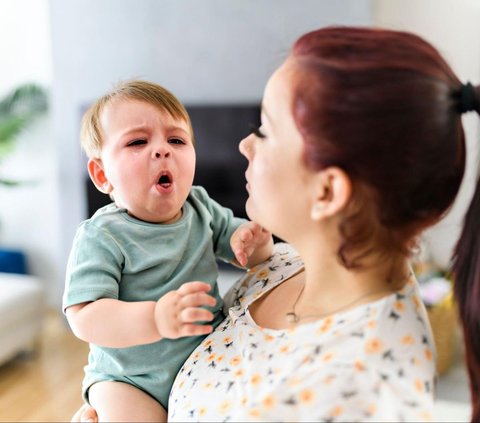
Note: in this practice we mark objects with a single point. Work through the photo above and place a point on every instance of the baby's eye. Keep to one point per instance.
(136, 142)
(176, 141)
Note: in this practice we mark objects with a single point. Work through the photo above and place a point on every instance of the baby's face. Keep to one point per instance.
(148, 159)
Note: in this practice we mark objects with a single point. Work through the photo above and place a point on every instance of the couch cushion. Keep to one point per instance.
(21, 297)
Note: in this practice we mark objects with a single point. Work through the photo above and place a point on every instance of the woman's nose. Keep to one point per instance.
(245, 146)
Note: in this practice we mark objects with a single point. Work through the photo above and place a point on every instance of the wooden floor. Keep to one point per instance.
(44, 386)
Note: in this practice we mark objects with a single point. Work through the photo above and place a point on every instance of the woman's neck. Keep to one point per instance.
(328, 284)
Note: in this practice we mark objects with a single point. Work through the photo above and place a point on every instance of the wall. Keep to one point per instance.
(208, 51)
(29, 214)
(451, 26)
(204, 51)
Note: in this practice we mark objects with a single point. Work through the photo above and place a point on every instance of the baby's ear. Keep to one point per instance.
(98, 176)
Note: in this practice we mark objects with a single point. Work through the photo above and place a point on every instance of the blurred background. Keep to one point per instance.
(216, 56)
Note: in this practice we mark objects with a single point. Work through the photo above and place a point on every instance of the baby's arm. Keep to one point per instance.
(251, 244)
(118, 324)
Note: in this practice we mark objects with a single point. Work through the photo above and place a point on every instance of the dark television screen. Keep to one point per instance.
(220, 169)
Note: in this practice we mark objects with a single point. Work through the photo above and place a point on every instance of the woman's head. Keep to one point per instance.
(149, 92)
(383, 106)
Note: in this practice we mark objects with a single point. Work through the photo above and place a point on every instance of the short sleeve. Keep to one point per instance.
(94, 266)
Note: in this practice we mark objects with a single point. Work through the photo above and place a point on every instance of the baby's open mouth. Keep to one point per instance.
(165, 180)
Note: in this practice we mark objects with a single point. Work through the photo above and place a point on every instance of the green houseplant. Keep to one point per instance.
(18, 109)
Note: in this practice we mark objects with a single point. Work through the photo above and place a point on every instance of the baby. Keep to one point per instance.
(141, 277)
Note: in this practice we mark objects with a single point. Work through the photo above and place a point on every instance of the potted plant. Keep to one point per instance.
(18, 110)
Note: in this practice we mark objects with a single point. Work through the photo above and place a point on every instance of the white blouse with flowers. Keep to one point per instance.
(371, 363)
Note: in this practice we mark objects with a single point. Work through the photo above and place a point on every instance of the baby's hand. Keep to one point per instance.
(177, 312)
(249, 237)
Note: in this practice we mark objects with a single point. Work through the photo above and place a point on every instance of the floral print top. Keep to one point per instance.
(374, 362)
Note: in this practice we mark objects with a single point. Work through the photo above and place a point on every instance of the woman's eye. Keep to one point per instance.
(257, 131)
(136, 143)
(176, 141)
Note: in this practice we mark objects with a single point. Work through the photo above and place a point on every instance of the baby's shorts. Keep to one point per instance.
(151, 384)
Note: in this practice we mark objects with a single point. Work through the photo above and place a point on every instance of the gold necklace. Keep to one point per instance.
(293, 317)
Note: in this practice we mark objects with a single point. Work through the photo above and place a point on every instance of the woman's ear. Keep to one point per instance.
(98, 177)
(332, 191)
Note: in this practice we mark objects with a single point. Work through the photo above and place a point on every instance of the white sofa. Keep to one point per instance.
(22, 306)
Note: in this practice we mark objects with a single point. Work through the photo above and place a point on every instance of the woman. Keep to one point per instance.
(361, 148)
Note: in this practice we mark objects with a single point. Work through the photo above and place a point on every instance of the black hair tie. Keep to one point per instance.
(468, 101)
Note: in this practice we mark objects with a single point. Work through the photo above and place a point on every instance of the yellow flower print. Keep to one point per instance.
(373, 346)
(306, 396)
(207, 343)
(399, 306)
(208, 385)
(416, 302)
(307, 359)
(336, 411)
(418, 385)
(284, 349)
(256, 379)
(211, 357)
(262, 274)
(326, 325)
(235, 361)
(269, 338)
(428, 354)
(425, 416)
(243, 402)
(371, 409)
(254, 412)
(224, 407)
(328, 356)
(415, 361)
(407, 340)
(227, 340)
(372, 324)
(219, 358)
(202, 411)
(269, 402)
(238, 373)
(359, 366)
(328, 379)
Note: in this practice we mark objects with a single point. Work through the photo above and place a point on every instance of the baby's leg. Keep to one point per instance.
(121, 402)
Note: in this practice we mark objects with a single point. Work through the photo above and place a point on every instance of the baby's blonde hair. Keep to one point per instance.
(149, 92)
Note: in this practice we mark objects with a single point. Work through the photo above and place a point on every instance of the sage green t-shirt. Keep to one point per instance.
(117, 256)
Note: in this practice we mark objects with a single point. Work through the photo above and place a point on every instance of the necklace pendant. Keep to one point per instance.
(291, 317)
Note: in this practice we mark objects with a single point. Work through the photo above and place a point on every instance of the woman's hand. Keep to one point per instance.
(251, 244)
(85, 414)
(178, 312)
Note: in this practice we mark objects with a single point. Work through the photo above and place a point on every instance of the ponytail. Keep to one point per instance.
(466, 269)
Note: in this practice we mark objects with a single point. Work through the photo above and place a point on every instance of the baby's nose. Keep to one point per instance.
(159, 154)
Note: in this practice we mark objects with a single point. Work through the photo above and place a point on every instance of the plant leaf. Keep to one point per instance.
(25, 99)
(18, 109)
